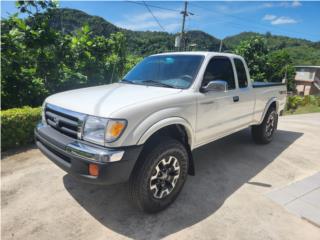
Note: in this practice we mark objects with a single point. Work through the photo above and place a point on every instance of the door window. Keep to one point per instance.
(219, 68)
(241, 73)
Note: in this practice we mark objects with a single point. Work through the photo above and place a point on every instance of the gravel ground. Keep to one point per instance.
(225, 200)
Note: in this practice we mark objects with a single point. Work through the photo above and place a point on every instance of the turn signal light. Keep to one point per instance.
(93, 169)
(116, 129)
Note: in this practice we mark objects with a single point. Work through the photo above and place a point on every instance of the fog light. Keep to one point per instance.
(93, 169)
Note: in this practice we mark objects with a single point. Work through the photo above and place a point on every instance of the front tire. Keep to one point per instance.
(159, 175)
(263, 133)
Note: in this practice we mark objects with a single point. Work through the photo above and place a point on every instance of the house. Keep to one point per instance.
(307, 80)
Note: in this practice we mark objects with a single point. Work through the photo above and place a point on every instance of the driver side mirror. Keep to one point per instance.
(215, 86)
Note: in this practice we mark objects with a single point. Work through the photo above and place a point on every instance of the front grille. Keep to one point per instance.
(64, 121)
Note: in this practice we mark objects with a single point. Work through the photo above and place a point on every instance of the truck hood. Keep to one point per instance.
(104, 100)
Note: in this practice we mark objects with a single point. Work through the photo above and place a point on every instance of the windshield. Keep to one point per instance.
(175, 71)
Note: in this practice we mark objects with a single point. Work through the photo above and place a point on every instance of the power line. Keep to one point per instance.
(261, 26)
(154, 6)
(154, 16)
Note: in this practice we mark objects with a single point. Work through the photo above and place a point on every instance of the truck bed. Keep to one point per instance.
(266, 92)
(266, 84)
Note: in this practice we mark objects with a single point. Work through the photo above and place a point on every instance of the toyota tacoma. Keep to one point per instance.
(144, 128)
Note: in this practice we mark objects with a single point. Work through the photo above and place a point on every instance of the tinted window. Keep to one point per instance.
(178, 71)
(241, 72)
(219, 68)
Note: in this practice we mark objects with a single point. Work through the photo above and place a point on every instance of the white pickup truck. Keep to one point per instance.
(144, 128)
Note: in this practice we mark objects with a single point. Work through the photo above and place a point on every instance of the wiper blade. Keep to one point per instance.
(158, 83)
(127, 81)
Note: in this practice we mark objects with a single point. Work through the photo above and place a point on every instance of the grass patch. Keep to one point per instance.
(309, 108)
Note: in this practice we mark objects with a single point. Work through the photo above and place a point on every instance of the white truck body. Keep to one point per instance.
(144, 128)
(205, 116)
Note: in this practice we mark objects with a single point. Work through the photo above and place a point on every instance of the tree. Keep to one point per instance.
(36, 6)
(279, 66)
(19, 78)
(254, 51)
(38, 60)
(265, 65)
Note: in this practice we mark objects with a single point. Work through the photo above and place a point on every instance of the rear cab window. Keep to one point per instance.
(241, 73)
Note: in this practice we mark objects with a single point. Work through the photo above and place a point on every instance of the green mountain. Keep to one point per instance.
(274, 42)
(139, 42)
(147, 42)
(69, 20)
(303, 52)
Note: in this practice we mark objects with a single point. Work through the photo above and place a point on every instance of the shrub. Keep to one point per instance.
(305, 104)
(318, 100)
(294, 101)
(17, 125)
(309, 99)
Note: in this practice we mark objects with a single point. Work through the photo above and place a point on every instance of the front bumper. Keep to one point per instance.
(74, 156)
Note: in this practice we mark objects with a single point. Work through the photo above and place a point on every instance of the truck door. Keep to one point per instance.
(217, 112)
(246, 95)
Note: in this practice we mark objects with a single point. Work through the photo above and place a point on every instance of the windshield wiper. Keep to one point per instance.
(127, 81)
(158, 83)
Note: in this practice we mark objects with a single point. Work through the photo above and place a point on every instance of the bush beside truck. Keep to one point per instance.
(302, 104)
(17, 126)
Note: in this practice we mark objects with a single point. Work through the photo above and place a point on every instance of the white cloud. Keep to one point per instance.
(296, 3)
(238, 10)
(172, 27)
(283, 20)
(158, 14)
(268, 5)
(138, 26)
(269, 17)
(145, 21)
(274, 20)
(286, 4)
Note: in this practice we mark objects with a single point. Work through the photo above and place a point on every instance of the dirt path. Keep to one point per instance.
(225, 200)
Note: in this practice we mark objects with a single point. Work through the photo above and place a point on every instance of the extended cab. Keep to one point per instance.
(144, 128)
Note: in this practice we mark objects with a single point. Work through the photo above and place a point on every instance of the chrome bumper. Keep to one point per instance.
(90, 153)
(77, 148)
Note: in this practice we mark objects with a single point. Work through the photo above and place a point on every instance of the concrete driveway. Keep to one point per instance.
(225, 200)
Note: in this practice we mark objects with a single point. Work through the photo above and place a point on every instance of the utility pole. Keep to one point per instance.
(184, 15)
(220, 48)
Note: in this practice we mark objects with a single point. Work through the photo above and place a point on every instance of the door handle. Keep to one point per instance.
(236, 98)
(205, 103)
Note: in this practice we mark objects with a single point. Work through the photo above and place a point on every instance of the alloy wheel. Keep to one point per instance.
(270, 125)
(165, 176)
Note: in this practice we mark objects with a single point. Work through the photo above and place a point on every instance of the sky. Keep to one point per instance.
(219, 18)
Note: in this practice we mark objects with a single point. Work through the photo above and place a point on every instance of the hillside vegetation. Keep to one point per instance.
(303, 52)
(63, 49)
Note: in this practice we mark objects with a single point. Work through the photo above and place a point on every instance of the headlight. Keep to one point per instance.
(94, 130)
(101, 130)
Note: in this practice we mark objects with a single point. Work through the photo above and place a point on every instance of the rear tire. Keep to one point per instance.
(263, 133)
(159, 175)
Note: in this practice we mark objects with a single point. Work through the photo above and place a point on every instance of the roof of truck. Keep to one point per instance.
(205, 53)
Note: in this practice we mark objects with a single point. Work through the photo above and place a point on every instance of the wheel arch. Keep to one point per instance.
(272, 103)
(178, 122)
(174, 127)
